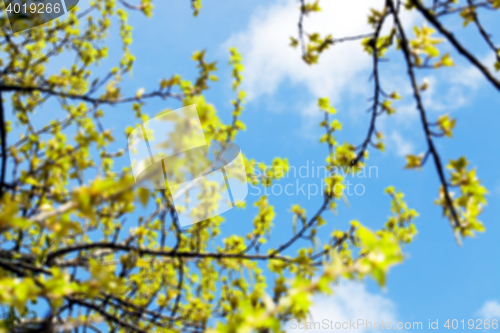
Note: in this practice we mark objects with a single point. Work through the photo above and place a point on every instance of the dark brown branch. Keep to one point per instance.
(179, 290)
(302, 231)
(376, 78)
(425, 124)
(106, 315)
(3, 137)
(447, 11)
(129, 6)
(459, 47)
(482, 31)
(172, 254)
(89, 99)
(301, 27)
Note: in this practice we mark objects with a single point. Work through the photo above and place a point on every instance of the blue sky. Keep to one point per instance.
(438, 279)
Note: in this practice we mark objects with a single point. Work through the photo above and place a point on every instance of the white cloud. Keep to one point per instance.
(350, 301)
(343, 70)
(490, 310)
(400, 146)
(270, 61)
(452, 91)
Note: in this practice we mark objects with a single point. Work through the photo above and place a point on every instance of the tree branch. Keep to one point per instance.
(89, 99)
(460, 48)
(371, 129)
(174, 254)
(3, 137)
(416, 92)
(106, 315)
